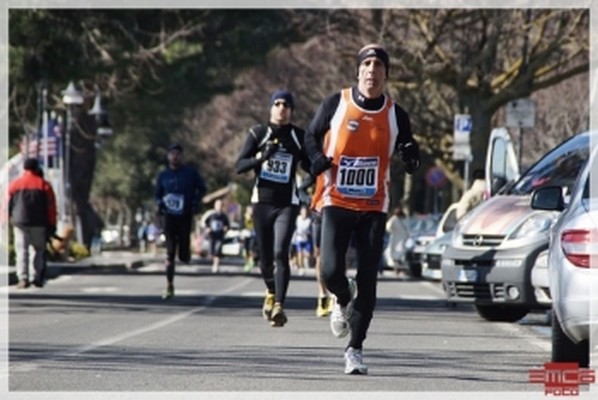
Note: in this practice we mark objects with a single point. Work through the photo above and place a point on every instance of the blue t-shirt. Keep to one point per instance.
(179, 191)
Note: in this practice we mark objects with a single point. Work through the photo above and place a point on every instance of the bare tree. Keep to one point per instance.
(476, 61)
(443, 62)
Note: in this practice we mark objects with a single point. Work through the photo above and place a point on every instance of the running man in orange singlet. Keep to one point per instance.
(350, 142)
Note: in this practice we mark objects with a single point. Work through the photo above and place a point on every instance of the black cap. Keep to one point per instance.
(373, 50)
(175, 146)
(282, 95)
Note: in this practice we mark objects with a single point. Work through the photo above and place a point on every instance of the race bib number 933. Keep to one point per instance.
(277, 168)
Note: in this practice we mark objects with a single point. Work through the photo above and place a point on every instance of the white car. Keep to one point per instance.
(432, 256)
(573, 263)
(540, 279)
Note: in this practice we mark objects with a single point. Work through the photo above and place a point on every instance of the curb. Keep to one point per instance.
(55, 269)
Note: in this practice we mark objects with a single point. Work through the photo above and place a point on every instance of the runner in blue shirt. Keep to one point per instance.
(179, 190)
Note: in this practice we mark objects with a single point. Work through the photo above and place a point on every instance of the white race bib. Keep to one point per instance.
(357, 176)
(174, 203)
(277, 168)
(216, 225)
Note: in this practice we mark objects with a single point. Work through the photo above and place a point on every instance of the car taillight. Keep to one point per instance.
(580, 246)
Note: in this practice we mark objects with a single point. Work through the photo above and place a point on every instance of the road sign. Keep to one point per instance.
(521, 113)
(462, 129)
(435, 177)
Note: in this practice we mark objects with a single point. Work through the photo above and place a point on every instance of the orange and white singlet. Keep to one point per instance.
(361, 143)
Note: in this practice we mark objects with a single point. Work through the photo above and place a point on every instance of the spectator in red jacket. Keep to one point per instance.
(32, 211)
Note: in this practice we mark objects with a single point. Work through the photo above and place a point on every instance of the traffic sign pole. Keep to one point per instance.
(521, 113)
(462, 148)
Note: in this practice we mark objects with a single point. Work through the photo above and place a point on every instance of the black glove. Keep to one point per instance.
(270, 148)
(410, 157)
(320, 164)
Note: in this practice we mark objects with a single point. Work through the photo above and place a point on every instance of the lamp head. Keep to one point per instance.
(72, 96)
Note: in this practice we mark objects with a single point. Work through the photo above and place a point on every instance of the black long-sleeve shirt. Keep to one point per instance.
(274, 178)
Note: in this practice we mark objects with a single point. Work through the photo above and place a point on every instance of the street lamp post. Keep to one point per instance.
(42, 93)
(71, 97)
(103, 126)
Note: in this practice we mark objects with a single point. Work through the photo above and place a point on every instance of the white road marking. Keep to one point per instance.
(26, 366)
(520, 333)
(252, 294)
(157, 325)
(62, 278)
(98, 289)
(510, 328)
(419, 297)
(189, 292)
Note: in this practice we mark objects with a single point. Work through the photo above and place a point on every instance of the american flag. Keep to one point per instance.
(36, 145)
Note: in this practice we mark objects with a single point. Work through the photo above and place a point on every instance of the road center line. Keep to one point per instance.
(157, 325)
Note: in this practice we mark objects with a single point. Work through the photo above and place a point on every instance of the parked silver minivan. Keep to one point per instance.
(495, 246)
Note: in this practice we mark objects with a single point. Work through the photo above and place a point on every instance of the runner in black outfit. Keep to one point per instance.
(273, 152)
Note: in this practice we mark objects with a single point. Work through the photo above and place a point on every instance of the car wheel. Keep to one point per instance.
(501, 313)
(566, 350)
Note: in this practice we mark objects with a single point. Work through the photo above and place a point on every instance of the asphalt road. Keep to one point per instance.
(108, 331)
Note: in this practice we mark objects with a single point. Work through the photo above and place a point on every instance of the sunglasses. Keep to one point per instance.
(284, 104)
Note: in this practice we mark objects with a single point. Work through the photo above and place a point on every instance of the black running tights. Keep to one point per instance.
(274, 227)
(177, 230)
(367, 227)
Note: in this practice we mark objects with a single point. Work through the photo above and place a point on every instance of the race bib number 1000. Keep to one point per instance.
(277, 168)
(357, 176)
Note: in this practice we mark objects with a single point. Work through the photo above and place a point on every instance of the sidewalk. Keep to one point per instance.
(121, 259)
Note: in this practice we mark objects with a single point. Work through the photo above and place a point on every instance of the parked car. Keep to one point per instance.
(572, 262)
(540, 279)
(432, 256)
(422, 231)
(231, 247)
(233, 242)
(495, 246)
(111, 236)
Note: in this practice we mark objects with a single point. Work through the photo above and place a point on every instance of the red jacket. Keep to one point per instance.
(31, 201)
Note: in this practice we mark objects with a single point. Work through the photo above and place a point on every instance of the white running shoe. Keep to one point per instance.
(354, 362)
(339, 317)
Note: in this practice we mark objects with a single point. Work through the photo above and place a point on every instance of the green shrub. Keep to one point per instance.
(78, 250)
